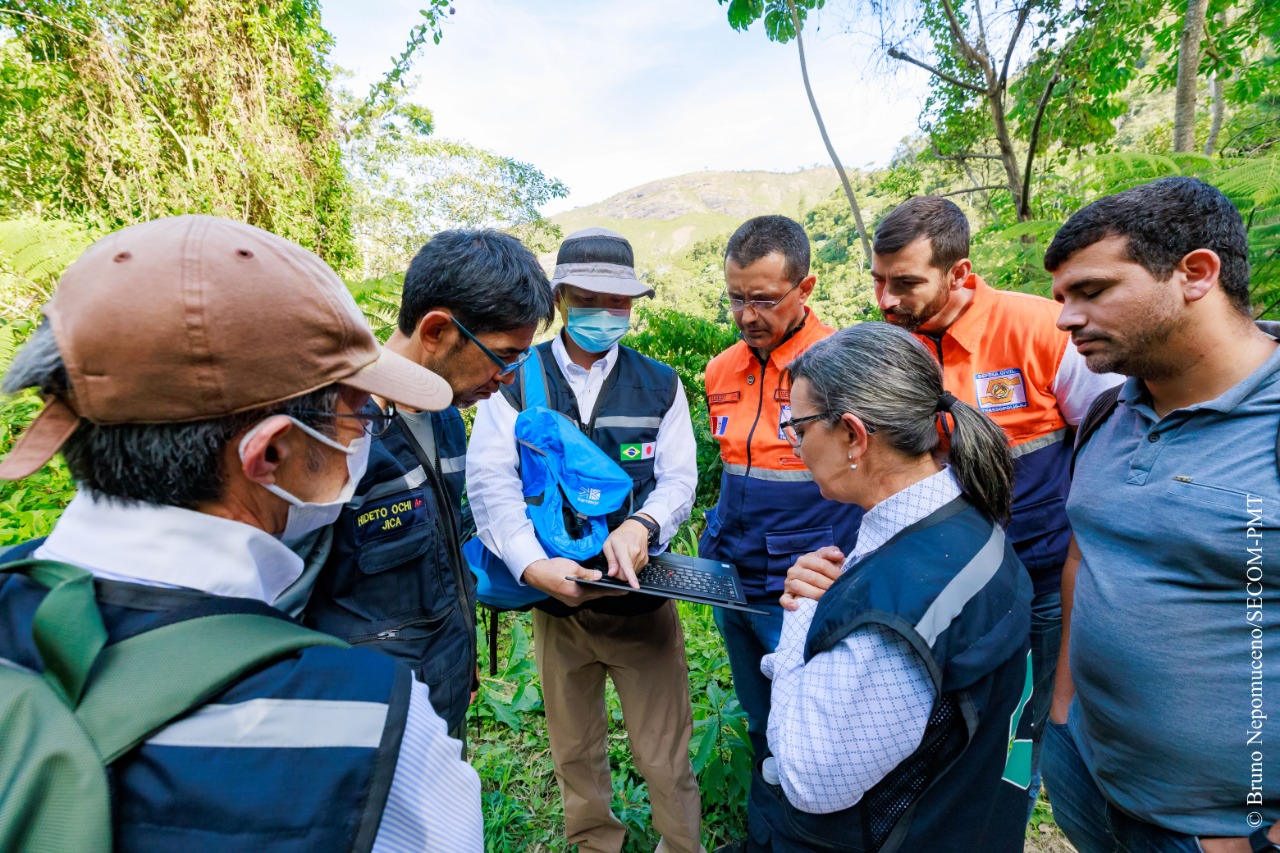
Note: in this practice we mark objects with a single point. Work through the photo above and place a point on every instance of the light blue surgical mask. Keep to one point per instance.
(597, 329)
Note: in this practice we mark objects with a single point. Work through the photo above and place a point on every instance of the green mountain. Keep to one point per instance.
(665, 218)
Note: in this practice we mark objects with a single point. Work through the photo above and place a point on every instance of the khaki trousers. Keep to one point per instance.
(644, 655)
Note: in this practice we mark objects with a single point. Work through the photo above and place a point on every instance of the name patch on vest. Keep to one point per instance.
(783, 395)
(1001, 390)
(390, 515)
(729, 397)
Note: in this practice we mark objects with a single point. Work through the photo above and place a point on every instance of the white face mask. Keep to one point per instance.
(304, 516)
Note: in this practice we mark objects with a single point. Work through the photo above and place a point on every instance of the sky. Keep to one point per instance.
(608, 94)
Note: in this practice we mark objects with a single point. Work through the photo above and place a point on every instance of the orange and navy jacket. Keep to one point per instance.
(1002, 355)
(770, 511)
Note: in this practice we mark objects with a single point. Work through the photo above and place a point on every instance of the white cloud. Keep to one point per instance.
(607, 95)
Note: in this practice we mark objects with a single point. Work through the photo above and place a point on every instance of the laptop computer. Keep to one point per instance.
(686, 578)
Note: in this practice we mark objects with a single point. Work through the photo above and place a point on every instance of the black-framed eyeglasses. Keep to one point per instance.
(375, 423)
(795, 437)
(735, 304)
(505, 368)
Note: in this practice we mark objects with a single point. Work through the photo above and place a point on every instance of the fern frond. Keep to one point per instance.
(1251, 184)
(33, 253)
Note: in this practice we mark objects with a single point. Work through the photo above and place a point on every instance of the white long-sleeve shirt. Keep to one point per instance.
(841, 722)
(433, 805)
(493, 475)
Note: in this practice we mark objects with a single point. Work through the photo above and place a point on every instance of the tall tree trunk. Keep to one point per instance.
(826, 140)
(1008, 155)
(1184, 111)
(1216, 109)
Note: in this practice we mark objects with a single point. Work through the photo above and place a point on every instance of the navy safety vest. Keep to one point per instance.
(193, 788)
(635, 396)
(394, 579)
(952, 585)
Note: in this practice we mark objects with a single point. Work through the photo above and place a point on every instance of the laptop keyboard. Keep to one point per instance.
(689, 580)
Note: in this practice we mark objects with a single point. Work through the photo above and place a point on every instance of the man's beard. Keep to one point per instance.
(912, 321)
(1141, 353)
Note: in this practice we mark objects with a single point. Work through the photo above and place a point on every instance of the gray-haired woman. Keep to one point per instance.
(897, 696)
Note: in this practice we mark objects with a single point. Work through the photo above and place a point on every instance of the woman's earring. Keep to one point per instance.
(853, 466)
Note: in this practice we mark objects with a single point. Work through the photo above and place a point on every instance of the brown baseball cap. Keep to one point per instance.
(196, 317)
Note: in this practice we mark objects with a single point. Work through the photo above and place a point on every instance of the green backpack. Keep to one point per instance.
(93, 703)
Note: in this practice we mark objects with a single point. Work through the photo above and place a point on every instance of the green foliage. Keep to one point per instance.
(509, 748)
(409, 184)
(32, 256)
(778, 23)
(687, 343)
(114, 112)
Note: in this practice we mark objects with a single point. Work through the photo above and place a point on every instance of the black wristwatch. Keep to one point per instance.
(652, 526)
(1260, 843)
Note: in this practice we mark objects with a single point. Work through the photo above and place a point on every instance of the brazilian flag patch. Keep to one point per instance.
(636, 452)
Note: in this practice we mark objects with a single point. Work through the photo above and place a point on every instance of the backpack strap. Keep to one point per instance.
(125, 692)
(1099, 410)
(533, 384)
(141, 684)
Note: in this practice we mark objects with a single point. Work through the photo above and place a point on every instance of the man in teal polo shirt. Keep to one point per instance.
(1158, 734)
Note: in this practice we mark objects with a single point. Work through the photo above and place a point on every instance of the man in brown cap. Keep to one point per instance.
(206, 383)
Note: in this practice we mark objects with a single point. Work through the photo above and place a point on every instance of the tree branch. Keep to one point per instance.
(975, 189)
(826, 140)
(1023, 13)
(955, 81)
(958, 33)
(1024, 203)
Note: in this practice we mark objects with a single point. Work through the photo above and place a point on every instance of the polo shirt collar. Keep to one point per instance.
(969, 327)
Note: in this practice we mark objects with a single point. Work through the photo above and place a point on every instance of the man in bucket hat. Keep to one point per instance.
(205, 380)
(635, 410)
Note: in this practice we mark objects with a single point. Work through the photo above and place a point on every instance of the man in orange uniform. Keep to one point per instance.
(770, 511)
(1002, 352)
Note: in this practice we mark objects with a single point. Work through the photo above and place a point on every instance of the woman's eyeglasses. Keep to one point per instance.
(795, 437)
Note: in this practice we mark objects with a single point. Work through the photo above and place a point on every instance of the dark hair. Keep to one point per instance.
(485, 278)
(885, 376)
(935, 218)
(765, 235)
(1163, 222)
(177, 464)
(596, 249)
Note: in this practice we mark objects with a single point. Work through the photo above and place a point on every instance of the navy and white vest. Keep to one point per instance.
(193, 788)
(954, 588)
(635, 396)
(394, 579)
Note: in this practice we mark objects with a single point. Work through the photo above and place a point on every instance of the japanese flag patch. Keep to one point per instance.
(719, 425)
(1001, 390)
(636, 452)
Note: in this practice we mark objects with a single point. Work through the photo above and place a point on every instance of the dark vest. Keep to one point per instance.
(221, 798)
(394, 579)
(635, 396)
(954, 588)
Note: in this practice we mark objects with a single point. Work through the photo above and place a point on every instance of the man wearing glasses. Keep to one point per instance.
(770, 511)
(390, 573)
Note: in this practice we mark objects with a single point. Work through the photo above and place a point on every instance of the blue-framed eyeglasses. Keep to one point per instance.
(505, 368)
